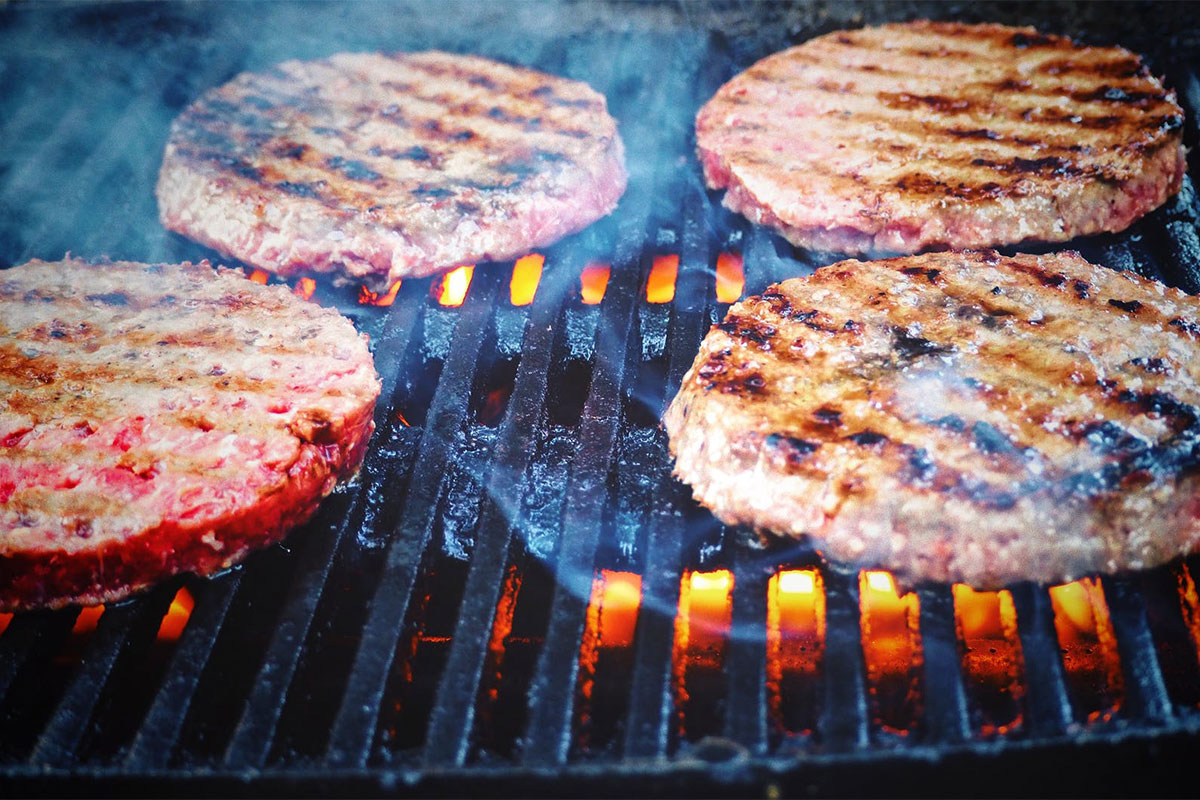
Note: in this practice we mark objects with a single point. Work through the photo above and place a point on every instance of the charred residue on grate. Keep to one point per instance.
(517, 496)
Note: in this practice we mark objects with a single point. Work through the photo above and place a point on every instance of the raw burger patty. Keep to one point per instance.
(942, 135)
(954, 417)
(163, 419)
(380, 167)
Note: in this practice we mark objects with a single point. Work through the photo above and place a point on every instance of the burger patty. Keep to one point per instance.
(942, 135)
(158, 419)
(954, 417)
(379, 167)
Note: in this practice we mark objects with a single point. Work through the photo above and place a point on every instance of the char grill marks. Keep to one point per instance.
(375, 133)
(1092, 111)
(143, 377)
(905, 136)
(999, 375)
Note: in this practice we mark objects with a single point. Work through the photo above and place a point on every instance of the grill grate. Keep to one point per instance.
(424, 632)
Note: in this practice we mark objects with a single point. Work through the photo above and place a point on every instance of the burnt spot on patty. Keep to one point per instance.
(750, 329)
(793, 449)
(1128, 306)
(909, 347)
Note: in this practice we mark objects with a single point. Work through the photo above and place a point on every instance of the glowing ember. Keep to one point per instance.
(731, 280)
(702, 627)
(5, 619)
(452, 290)
(368, 298)
(501, 628)
(402, 420)
(1089, 647)
(660, 286)
(88, 619)
(1189, 601)
(992, 657)
(619, 595)
(305, 288)
(891, 649)
(795, 647)
(593, 281)
(177, 616)
(258, 276)
(526, 274)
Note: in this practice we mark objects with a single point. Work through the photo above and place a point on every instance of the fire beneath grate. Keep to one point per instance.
(515, 590)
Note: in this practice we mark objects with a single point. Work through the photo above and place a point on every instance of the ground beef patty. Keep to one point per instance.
(954, 417)
(162, 419)
(942, 135)
(381, 167)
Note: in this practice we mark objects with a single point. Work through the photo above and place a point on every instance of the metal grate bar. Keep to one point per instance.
(1046, 693)
(843, 721)
(151, 747)
(252, 738)
(1146, 691)
(29, 632)
(746, 656)
(946, 717)
(70, 719)
(389, 604)
(450, 723)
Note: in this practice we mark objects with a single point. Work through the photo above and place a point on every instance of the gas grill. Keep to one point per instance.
(515, 597)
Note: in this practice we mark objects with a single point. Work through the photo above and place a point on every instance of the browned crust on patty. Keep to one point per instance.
(928, 134)
(954, 417)
(378, 167)
(157, 419)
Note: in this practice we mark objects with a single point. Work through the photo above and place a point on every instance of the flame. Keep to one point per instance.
(305, 288)
(1089, 647)
(368, 298)
(526, 274)
(795, 646)
(5, 619)
(731, 279)
(891, 649)
(177, 616)
(402, 420)
(660, 286)
(258, 276)
(452, 289)
(616, 599)
(704, 614)
(88, 619)
(992, 656)
(593, 281)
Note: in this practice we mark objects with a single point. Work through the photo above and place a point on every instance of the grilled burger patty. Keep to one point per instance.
(161, 419)
(954, 417)
(930, 134)
(380, 167)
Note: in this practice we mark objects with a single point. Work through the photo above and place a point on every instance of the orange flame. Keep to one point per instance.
(5, 619)
(1089, 646)
(88, 619)
(731, 279)
(593, 282)
(258, 276)
(1189, 602)
(795, 646)
(619, 596)
(402, 420)
(526, 274)
(177, 616)
(452, 289)
(891, 649)
(992, 656)
(305, 288)
(368, 298)
(660, 286)
(704, 615)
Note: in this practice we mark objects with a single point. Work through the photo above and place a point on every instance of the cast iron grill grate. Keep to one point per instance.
(515, 596)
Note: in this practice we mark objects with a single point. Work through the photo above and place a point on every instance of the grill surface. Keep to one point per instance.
(432, 630)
